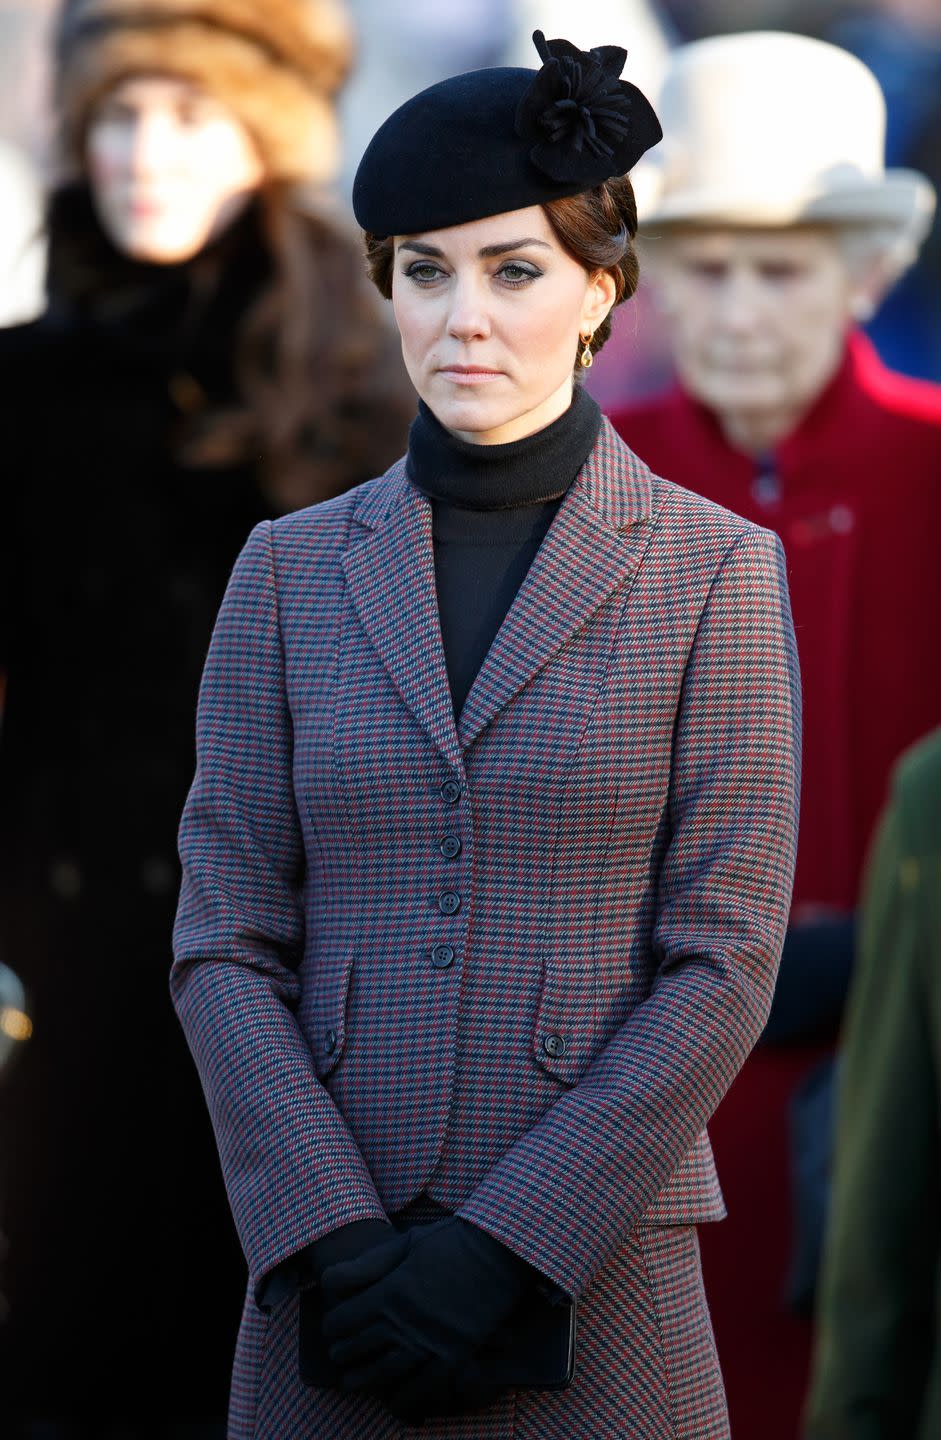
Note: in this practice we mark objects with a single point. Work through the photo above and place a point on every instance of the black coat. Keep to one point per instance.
(123, 1274)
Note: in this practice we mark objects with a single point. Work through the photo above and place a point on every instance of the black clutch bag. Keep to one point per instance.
(534, 1351)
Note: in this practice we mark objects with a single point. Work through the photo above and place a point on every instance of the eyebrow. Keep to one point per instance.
(487, 252)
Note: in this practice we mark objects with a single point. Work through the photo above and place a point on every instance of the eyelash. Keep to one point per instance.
(530, 273)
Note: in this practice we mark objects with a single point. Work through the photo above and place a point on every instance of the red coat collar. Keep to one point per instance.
(836, 428)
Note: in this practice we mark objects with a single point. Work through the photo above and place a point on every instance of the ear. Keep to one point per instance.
(871, 280)
(862, 306)
(868, 289)
(600, 295)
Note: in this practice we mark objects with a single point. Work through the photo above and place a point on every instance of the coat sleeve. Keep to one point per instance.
(291, 1167)
(569, 1191)
(879, 1279)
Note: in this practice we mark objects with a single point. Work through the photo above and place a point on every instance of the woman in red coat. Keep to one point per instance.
(772, 227)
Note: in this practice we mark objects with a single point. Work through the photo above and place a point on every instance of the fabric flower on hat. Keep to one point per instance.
(577, 110)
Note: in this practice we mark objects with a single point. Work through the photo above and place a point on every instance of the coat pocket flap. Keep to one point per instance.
(327, 1022)
(564, 1033)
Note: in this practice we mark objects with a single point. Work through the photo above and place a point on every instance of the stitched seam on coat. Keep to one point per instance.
(273, 576)
(643, 1241)
(259, 1374)
(596, 918)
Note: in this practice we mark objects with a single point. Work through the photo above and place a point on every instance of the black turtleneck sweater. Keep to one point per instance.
(492, 506)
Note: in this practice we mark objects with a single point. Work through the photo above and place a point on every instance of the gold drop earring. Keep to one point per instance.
(586, 358)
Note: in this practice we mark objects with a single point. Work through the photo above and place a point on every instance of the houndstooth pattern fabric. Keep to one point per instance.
(647, 1368)
(511, 964)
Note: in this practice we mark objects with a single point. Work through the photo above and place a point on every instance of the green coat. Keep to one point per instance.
(878, 1363)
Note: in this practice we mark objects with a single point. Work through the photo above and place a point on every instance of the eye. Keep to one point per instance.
(193, 112)
(113, 112)
(424, 272)
(712, 271)
(780, 271)
(516, 274)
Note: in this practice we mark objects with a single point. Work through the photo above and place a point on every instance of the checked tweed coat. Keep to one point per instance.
(511, 964)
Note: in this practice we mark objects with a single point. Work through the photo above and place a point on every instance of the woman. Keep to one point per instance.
(771, 229)
(487, 858)
(206, 360)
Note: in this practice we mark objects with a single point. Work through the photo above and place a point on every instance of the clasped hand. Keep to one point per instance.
(406, 1319)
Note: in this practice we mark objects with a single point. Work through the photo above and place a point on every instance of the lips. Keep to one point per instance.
(469, 374)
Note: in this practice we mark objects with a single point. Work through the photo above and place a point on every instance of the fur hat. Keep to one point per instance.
(276, 64)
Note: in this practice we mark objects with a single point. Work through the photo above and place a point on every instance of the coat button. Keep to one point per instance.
(450, 792)
(554, 1045)
(450, 847)
(330, 1041)
(442, 956)
(449, 903)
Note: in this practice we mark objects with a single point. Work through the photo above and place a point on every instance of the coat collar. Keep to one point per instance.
(596, 541)
(841, 425)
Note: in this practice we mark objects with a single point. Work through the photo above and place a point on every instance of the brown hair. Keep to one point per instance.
(321, 399)
(597, 228)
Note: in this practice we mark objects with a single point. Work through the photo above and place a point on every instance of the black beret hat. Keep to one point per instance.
(496, 140)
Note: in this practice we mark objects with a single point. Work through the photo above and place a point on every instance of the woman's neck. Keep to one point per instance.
(536, 468)
(756, 432)
(523, 425)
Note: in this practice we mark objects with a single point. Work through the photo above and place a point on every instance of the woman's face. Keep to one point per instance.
(490, 314)
(170, 168)
(757, 318)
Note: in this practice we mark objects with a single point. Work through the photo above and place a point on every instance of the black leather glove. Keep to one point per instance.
(306, 1266)
(409, 1334)
(346, 1243)
(338, 1246)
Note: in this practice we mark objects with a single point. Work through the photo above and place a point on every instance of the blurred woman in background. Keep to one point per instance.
(772, 229)
(206, 359)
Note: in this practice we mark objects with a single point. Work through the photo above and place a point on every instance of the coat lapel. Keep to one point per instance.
(391, 580)
(596, 542)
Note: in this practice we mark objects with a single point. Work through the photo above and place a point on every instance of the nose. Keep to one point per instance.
(152, 148)
(468, 318)
(740, 302)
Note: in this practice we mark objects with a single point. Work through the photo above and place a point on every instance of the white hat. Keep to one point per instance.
(769, 128)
